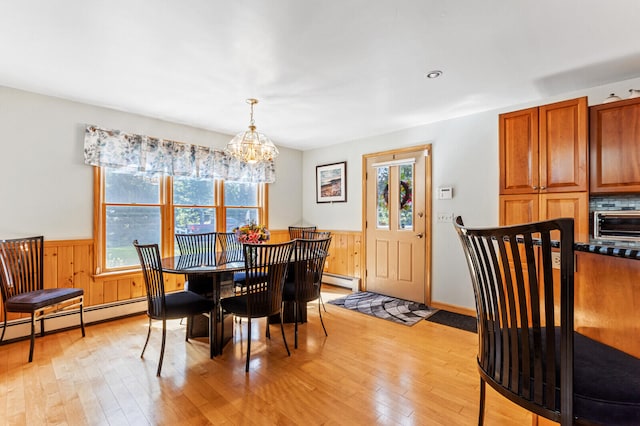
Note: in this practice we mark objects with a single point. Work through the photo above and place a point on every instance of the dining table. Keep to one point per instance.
(209, 275)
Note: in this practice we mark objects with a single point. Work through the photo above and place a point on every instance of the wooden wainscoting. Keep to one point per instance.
(344, 252)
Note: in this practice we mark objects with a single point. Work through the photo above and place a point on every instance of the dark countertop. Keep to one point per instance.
(615, 249)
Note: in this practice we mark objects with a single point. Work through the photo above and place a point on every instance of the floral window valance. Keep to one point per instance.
(140, 153)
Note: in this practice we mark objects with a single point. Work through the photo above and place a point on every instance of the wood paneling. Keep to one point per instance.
(519, 151)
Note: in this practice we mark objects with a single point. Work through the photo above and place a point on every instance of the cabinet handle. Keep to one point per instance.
(543, 187)
(535, 187)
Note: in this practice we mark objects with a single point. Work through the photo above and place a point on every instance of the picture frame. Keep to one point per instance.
(331, 183)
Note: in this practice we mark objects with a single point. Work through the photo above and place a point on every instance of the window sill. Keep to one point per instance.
(117, 274)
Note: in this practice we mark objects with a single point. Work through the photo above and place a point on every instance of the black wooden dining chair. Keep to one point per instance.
(528, 349)
(305, 284)
(22, 278)
(162, 306)
(201, 249)
(296, 231)
(265, 270)
(315, 235)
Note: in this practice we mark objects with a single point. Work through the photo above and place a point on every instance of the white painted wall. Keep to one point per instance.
(45, 187)
(465, 157)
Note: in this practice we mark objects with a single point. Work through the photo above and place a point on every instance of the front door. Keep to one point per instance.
(397, 203)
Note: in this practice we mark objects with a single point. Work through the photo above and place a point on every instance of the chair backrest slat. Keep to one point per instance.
(315, 235)
(265, 270)
(22, 264)
(151, 262)
(230, 248)
(524, 339)
(199, 247)
(310, 256)
(296, 231)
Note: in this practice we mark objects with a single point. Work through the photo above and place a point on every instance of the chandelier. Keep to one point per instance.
(251, 146)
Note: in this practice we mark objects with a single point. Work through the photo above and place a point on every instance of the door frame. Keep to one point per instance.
(427, 211)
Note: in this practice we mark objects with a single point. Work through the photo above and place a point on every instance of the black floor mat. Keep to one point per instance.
(452, 319)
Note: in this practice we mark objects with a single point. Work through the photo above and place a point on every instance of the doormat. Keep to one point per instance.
(452, 319)
(386, 307)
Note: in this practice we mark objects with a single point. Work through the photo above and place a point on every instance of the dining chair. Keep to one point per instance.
(163, 306)
(265, 270)
(304, 285)
(201, 248)
(296, 231)
(528, 349)
(315, 235)
(23, 289)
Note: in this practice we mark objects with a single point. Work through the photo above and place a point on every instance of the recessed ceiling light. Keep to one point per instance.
(434, 74)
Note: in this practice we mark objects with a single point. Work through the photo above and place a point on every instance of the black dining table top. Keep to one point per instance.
(198, 263)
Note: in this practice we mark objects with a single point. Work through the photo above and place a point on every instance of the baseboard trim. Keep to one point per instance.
(352, 283)
(21, 328)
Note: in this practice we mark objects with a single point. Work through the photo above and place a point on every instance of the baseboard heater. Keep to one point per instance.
(352, 283)
(20, 328)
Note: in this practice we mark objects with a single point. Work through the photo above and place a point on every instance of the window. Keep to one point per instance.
(151, 209)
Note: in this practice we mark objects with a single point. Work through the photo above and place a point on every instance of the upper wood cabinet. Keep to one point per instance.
(615, 147)
(544, 149)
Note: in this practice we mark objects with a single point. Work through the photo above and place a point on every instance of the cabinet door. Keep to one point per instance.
(563, 146)
(615, 147)
(516, 209)
(568, 204)
(519, 151)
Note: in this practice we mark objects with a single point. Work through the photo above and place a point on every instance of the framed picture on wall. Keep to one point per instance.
(331, 183)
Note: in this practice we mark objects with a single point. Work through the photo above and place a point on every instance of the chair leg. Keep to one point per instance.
(221, 313)
(33, 335)
(322, 303)
(41, 324)
(267, 331)
(212, 333)
(146, 341)
(5, 323)
(295, 327)
(164, 338)
(246, 368)
(322, 321)
(82, 318)
(283, 336)
(481, 409)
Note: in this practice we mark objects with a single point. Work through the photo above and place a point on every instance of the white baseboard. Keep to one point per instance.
(17, 329)
(352, 283)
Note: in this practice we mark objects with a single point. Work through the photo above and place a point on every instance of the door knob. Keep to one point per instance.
(420, 235)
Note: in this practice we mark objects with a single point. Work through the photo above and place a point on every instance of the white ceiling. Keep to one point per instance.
(325, 71)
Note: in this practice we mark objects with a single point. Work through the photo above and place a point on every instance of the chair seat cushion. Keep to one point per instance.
(38, 299)
(606, 383)
(186, 303)
(238, 305)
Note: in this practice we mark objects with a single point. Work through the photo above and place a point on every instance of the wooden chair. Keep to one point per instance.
(23, 289)
(296, 231)
(304, 285)
(528, 349)
(265, 270)
(162, 306)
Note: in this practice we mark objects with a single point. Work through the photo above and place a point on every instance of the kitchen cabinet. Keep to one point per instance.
(544, 165)
(523, 208)
(615, 147)
(544, 149)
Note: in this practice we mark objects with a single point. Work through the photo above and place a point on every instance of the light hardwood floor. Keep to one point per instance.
(368, 371)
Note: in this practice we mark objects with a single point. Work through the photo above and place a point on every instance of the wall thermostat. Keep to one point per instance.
(445, 193)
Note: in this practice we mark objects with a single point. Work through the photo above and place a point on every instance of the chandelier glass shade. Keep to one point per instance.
(252, 146)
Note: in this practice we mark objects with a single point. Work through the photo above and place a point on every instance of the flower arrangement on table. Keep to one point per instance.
(252, 233)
